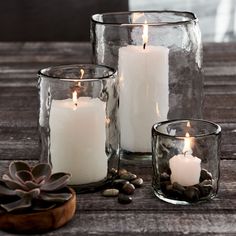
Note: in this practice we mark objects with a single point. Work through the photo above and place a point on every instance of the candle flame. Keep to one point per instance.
(81, 73)
(81, 76)
(74, 98)
(187, 144)
(145, 34)
(188, 124)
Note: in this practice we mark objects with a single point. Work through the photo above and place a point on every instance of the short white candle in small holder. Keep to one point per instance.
(78, 122)
(185, 155)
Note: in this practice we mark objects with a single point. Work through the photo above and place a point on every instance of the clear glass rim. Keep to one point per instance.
(192, 18)
(110, 70)
(216, 126)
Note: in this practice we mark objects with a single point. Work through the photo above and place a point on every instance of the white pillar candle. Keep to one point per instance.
(77, 139)
(185, 168)
(144, 93)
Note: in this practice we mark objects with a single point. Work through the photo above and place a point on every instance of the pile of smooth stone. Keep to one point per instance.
(123, 186)
(191, 193)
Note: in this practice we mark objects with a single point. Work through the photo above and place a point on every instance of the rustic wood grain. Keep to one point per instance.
(147, 215)
(19, 63)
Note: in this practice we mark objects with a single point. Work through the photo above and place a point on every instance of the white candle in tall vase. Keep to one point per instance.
(144, 93)
(185, 168)
(77, 139)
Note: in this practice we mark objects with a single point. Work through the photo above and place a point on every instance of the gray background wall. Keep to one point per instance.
(217, 17)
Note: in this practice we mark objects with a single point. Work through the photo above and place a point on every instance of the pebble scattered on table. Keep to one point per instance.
(110, 192)
(124, 199)
(123, 186)
(119, 183)
(128, 188)
(137, 182)
(128, 176)
(122, 172)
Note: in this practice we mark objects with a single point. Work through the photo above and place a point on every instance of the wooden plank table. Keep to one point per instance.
(19, 63)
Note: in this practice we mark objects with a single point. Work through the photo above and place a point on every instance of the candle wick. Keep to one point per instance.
(185, 153)
(75, 106)
(144, 46)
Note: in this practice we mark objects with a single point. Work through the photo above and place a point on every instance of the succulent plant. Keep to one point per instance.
(34, 187)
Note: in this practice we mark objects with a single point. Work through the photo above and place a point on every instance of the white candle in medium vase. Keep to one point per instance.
(144, 92)
(77, 138)
(185, 168)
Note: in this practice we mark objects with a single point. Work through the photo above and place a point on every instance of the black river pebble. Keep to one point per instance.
(119, 183)
(192, 194)
(124, 199)
(128, 188)
(187, 193)
(125, 182)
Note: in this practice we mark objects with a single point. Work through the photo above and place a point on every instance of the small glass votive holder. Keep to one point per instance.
(185, 160)
(78, 123)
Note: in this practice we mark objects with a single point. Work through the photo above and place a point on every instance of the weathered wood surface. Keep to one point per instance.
(19, 63)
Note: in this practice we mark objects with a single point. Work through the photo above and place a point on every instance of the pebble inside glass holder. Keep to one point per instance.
(185, 155)
(78, 122)
(158, 58)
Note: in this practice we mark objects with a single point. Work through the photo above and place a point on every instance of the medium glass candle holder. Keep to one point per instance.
(158, 55)
(185, 160)
(78, 122)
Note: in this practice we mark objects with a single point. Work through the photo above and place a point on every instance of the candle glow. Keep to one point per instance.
(187, 144)
(185, 168)
(81, 76)
(81, 73)
(188, 124)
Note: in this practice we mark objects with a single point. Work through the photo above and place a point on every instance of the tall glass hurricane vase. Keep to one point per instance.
(158, 57)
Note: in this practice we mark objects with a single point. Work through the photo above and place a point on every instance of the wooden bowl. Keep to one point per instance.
(40, 221)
